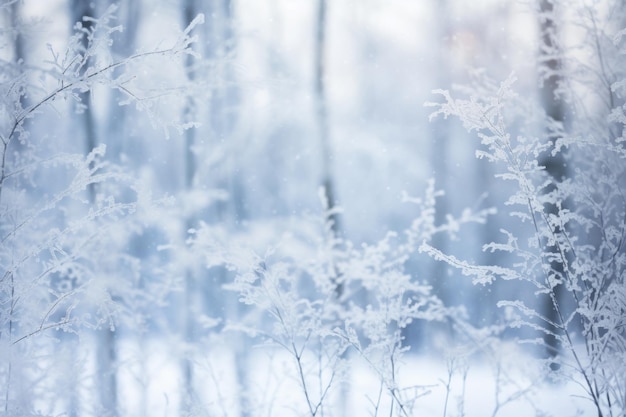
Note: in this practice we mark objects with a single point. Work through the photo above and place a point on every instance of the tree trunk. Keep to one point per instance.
(436, 271)
(440, 155)
(117, 138)
(187, 307)
(327, 158)
(223, 112)
(326, 153)
(226, 175)
(79, 10)
(106, 343)
(554, 164)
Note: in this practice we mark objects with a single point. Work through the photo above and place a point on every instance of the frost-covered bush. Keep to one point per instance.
(66, 219)
(329, 304)
(575, 258)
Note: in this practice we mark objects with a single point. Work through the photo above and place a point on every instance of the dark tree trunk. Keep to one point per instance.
(117, 136)
(440, 155)
(188, 302)
(554, 164)
(106, 347)
(321, 108)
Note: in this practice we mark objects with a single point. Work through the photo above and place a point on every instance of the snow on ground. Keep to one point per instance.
(150, 381)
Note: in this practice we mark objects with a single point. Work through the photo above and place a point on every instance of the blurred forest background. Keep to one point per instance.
(151, 150)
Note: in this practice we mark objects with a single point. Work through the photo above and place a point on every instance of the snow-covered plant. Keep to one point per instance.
(574, 258)
(65, 218)
(292, 293)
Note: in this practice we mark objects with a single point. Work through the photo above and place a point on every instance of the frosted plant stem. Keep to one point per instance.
(319, 376)
(10, 370)
(220, 396)
(298, 356)
(463, 386)
(6, 393)
(497, 406)
(593, 392)
(378, 399)
(5, 144)
(448, 383)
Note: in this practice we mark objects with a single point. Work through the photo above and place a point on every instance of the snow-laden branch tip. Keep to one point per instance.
(482, 274)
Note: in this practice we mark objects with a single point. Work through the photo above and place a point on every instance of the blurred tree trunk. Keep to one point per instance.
(326, 153)
(321, 110)
(121, 149)
(106, 343)
(188, 305)
(435, 271)
(117, 137)
(486, 297)
(19, 53)
(204, 295)
(327, 158)
(220, 50)
(81, 9)
(11, 375)
(440, 152)
(225, 109)
(223, 115)
(555, 165)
